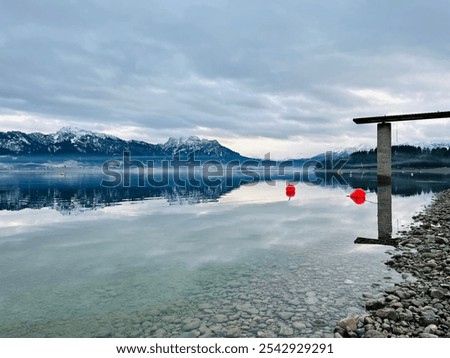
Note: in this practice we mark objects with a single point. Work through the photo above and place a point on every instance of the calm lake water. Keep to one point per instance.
(79, 260)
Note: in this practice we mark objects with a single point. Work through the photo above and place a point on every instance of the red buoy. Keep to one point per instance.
(290, 191)
(358, 196)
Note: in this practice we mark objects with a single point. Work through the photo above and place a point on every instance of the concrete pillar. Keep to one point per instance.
(384, 160)
(384, 174)
(384, 208)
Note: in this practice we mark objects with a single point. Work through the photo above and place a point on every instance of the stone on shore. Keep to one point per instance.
(348, 324)
(419, 305)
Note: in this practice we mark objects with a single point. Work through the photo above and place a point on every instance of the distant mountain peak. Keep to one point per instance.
(74, 140)
(79, 132)
(185, 140)
(70, 129)
(192, 138)
(427, 145)
(193, 144)
(350, 150)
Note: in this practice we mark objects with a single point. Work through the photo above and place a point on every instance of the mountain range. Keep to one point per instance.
(74, 141)
(70, 141)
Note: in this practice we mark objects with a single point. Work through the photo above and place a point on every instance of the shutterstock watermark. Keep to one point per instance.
(195, 172)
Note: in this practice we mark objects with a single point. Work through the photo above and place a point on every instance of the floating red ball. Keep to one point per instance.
(290, 191)
(358, 196)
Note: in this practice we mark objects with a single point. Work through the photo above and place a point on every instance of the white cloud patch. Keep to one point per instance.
(380, 97)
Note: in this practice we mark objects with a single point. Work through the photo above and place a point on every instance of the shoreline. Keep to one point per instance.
(373, 171)
(419, 306)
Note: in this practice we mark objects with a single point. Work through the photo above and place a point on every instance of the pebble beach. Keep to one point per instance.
(419, 305)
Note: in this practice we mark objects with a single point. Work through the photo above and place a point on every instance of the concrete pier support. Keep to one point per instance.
(384, 164)
(384, 170)
(384, 209)
(384, 160)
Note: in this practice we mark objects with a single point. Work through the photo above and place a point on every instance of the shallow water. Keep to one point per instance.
(244, 262)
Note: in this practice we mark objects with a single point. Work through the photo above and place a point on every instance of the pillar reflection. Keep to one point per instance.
(384, 213)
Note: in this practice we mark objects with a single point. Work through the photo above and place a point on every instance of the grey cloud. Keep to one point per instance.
(253, 68)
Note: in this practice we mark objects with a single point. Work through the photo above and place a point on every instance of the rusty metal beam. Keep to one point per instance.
(401, 117)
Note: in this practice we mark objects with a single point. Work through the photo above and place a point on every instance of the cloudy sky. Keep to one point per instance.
(285, 77)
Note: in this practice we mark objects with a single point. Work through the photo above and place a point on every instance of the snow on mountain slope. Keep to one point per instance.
(72, 140)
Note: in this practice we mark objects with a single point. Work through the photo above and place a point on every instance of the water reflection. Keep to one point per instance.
(273, 267)
(402, 183)
(405, 186)
(384, 210)
(76, 192)
(384, 216)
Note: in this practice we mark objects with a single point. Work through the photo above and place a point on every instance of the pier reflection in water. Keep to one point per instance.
(384, 211)
(384, 215)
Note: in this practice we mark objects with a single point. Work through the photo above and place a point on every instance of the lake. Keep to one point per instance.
(81, 260)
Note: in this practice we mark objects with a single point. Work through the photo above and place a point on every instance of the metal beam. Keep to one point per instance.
(401, 117)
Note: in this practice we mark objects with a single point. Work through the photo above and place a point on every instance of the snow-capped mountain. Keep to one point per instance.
(201, 147)
(75, 141)
(70, 140)
(428, 145)
(64, 141)
(346, 151)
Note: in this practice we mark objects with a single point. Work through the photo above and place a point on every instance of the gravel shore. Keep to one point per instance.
(419, 306)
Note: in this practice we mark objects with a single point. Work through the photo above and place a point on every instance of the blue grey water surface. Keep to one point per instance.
(77, 260)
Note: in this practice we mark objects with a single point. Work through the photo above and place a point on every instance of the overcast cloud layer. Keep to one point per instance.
(285, 77)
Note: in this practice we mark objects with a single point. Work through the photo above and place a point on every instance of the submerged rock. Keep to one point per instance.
(191, 324)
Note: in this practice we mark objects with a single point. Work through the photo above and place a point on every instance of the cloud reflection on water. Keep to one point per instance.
(51, 260)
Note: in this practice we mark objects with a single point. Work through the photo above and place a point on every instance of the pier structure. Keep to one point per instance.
(384, 170)
(384, 145)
